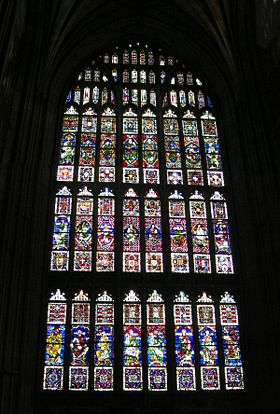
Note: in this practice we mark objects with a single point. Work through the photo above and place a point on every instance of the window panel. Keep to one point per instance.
(132, 343)
(104, 343)
(156, 338)
(55, 342)
(208, 345)
(184, 343)
(79, 343)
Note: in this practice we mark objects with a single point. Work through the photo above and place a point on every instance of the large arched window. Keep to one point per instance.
(141, 252)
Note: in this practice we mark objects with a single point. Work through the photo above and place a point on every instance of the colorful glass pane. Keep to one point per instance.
(79, 343)
(105, 232)
(103, 343)
(231, 343)
(131, 232)
(55, 342)
(184, 344)
(222, 242)
(61, 231)
(208, 345)
(156, 341)
(132, 344)
(83, 231)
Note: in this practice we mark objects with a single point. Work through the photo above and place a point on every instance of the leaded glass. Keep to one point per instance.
(153, 232)
(79, 343)
(222, 242)
(184, 343)
(178, 233)
(150, 148)
(61, 231)
(105, 232)
(136, 118)
(131, 232)
(156, 338)
(231, 343)
(55, 342)
(104, 343)
(199, 231)
(208, 345)
(132, 343)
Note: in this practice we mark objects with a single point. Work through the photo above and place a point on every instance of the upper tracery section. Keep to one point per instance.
(138, 116)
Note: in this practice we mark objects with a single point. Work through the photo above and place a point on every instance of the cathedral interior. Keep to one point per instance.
(234, 46)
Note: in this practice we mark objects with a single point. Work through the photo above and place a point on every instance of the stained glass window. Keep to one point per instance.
(156, 337)
(61, 231)
(83, 231)
(231, 343)
(199, 230)
(131, 232)
(105, 231)
(153, 232)
(104, 343)
(132, 343)
(55, 342)
(178, 233)
(150, 148)
(141, 195)
(79, 343)
(222, 242)
(184, 343)
(208, 345)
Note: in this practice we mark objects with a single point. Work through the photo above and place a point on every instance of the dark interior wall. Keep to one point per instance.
(42, 45)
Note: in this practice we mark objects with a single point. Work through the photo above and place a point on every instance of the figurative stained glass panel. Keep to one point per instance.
(192, 149)
(231, 343)
(173, 164)
(153, 232)
(131, 232)
(83, 231)
(208, 345)
(184, 343)
(199, 231)
(132, 343)
(178, 233)
(212, 150)
(107, 146)
(61, 231)
(156, 338)
(104, 343)
(222, 242)
(79, 343)
(55, 342)
(105, 232)
(130, 148)
(150, 148)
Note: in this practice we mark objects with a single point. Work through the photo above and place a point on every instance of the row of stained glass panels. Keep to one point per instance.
(132, 344)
